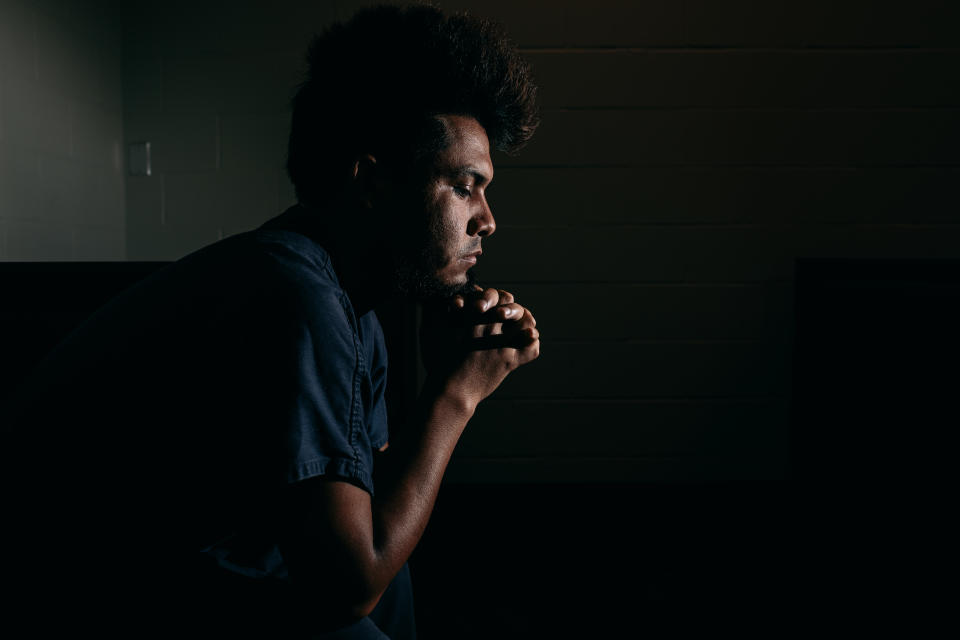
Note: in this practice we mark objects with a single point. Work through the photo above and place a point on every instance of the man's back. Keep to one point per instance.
(151, 450)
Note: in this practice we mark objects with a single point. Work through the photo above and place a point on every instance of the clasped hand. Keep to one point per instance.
(474, 341)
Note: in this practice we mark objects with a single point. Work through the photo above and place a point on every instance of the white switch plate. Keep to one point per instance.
(138, 158)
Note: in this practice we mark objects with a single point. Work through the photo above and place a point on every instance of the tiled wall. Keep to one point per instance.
(61, 132)
(208, 85)
(690, 151)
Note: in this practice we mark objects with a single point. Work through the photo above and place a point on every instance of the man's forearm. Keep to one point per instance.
(416, 462)
(345, 545)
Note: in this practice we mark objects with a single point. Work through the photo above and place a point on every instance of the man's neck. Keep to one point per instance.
(363, 274)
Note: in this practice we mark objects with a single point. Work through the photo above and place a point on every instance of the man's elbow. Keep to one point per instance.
(343, 602)
(365, 607)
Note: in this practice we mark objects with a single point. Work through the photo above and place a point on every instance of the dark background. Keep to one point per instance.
(735, 227)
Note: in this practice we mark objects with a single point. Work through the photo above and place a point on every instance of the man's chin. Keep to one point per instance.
(431, 288)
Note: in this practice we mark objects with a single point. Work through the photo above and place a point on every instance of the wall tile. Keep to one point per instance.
(61, 182)
(852, 23)
(36, 241)
(698, 254)
(36, 116)
(590, 370)
(744, 78)
(232, 84)
(723, 195)
(247, 199)
(146, 236)
(193, 211)
(142, 83)
(655, 312)
(60, 139)
(222, 27)
(18, 42)
(20, 184)
(254, 141)
(69, 57)
(639, 254)
(616, 23)
(180, 142)
(95, 134)
(99, 243)
(744, 137)
(770, 467)
(506, 428)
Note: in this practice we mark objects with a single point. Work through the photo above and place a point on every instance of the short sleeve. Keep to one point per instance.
(312, 370)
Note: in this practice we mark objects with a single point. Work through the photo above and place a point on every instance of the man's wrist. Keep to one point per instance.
(449, 400)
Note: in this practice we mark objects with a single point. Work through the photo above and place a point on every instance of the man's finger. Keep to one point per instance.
(522, 340)
(509, 311)
(484, 300)
(528, 318)
(519, 319)
(505, 296)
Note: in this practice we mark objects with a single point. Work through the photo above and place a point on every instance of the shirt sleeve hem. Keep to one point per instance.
(341, 467)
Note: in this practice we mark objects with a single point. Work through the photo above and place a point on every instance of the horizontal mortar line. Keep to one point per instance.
(659, 283)
(954, 164)
(726, 166)
(746, 399)
(781, 226)
(655, 285)
(573, 457)
(613, 49)
(620, 342)
(641, 108)
(653, 399)
(755, 109)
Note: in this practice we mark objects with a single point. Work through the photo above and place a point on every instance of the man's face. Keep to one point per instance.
(457, 215)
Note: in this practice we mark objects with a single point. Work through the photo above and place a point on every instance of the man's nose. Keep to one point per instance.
(482, 224)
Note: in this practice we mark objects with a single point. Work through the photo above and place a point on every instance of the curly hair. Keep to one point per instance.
(376, 83)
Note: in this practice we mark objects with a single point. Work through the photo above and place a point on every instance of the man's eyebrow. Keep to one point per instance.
(469, 171)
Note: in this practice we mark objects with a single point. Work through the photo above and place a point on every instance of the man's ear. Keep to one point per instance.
(367, 181)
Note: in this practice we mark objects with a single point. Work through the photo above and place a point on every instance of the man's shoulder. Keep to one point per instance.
(262, 266)
(278, 253)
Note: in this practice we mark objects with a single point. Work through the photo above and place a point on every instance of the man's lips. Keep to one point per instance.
(471, 257)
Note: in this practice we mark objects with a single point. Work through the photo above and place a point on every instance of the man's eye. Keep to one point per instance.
(463, 192)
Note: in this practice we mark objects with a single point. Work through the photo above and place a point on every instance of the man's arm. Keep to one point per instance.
(343, 547)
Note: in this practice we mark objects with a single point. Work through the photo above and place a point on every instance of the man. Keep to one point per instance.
(199, 456)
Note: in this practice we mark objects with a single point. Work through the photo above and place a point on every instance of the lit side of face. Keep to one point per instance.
(457, 212)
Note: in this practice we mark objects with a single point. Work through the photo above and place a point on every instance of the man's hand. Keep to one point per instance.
(343, 547)
(471, 344)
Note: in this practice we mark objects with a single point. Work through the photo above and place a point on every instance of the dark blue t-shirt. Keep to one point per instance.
(172, 421)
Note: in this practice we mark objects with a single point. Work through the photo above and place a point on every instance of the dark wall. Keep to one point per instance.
(61, 131)
(690, 152)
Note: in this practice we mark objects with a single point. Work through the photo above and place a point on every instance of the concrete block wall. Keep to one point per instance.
(208, 85)
(690, 151)
(61, 131)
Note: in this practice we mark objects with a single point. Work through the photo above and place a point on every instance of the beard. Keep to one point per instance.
(417, 270)
(416, 277)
